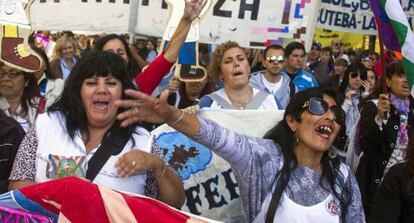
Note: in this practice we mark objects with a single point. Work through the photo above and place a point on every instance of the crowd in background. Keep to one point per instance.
(374, 138)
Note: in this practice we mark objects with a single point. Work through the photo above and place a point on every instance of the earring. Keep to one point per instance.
(332, 153)
(296, 138)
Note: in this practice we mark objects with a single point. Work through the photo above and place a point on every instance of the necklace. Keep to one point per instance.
(242, 106)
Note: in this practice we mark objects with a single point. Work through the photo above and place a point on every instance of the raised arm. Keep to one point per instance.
(149, 79)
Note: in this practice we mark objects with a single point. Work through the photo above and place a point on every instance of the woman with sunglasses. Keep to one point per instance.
(385, 124)
(355, 86)
(290, 175)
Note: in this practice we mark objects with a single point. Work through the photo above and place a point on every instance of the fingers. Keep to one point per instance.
(126, 166)
(383, 103)
(204, 3)
(164, 96)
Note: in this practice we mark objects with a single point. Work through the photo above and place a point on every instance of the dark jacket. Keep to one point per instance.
(377, 147)
(394, 201)
(11, 134)
(56, 69)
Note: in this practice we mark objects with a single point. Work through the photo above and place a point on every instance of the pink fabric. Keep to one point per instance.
(17, 216)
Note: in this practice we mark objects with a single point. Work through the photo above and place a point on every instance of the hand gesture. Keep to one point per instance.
(192, 110)
(366, 86)
(349, 94)
(142, 107)
(174, 84)
(193, 9)
(384, 106)
(137, 161)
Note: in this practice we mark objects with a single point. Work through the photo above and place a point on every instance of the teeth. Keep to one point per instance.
(326, 129)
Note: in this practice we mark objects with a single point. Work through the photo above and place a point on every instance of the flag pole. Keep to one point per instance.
(384, 89)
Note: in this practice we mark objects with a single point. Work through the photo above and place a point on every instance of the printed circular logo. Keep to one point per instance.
(333, 207)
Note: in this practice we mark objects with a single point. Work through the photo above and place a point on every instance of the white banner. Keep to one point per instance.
(252, 23)
(84, 15)
(354, 16)
(210, 186)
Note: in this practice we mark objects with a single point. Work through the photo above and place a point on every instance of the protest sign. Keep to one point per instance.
(251, 23)
(354, 16)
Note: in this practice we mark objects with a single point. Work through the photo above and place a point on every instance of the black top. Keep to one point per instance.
(394, 201)
(11, 135)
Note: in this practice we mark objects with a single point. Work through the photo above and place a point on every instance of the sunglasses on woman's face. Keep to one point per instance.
(319, 107)
(362, 76)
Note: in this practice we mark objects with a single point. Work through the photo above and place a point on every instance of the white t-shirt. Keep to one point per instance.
(273, 87)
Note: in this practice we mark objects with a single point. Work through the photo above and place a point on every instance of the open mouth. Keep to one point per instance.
(101, 104)
(324, 131)
(405, 86)
(238, 73)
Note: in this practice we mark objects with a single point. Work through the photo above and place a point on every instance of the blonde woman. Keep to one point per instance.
(65, 56)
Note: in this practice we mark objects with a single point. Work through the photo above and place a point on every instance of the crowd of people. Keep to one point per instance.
(343, 151)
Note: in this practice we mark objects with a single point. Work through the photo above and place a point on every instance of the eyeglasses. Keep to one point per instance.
(362, 76)
(279, 59)
(338, 44)
(320, 107)
(11, 74)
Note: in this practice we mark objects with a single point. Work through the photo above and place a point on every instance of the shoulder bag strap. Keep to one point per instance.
(112, 144)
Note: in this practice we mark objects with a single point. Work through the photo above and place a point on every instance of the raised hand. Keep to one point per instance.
(174, 84)
(142, 107)
(193, 8)
(366, 86)
(384, 106)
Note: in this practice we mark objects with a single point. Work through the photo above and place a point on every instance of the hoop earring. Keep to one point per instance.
(332, 153)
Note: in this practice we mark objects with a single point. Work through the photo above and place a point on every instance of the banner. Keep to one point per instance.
(210, 186)
(349, 40)
(252, 23)
(84, 15)
(354, 16)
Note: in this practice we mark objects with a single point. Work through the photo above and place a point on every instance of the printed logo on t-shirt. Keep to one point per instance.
(333, 207)
(60, 166)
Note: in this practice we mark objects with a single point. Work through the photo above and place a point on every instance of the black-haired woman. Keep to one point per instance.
(394, 200)
(19, 95)
(385, 124)
(293, 165)
(63, 141)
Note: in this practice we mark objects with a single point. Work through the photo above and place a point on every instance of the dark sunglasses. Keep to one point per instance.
(319, 107)
(279, 59)
(363, 77)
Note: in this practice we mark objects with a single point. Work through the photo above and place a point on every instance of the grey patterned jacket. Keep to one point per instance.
(257, 161)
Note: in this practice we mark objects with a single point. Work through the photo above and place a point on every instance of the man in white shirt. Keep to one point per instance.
(273, 80)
